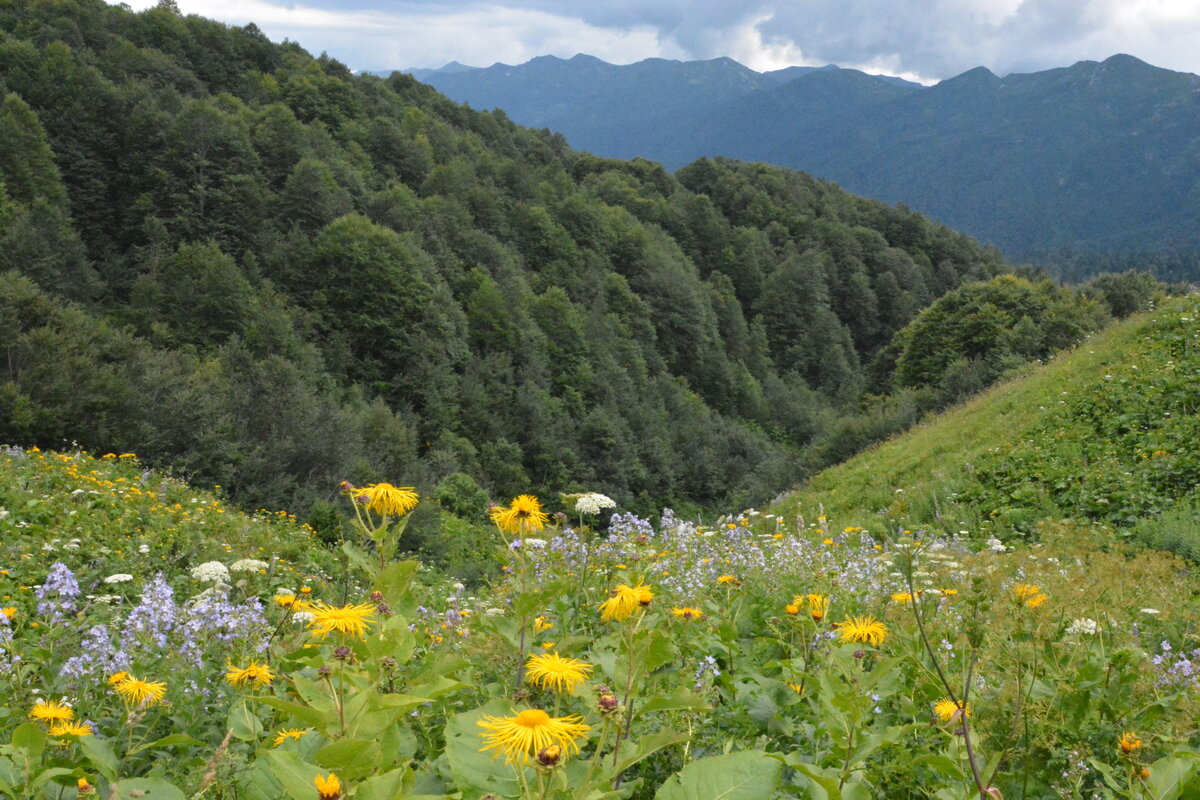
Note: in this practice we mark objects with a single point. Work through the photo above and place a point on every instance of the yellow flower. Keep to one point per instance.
(542, 624)
(624, 601)
(552, 671)
(352, 619)
(328, 788)
(818, 606)
(70, 729)
(827, 541)
(117, 677)
(1030, 594)
(83, 787)
(687, 613)
(9, 612)
(387, 500)
(948, 710)
(283, 734)
(286, 600)
(525, 515)
(902, 598)
(138, 692)
(520, 737)
(1129, 742)
(949, 592)
(729, 579)
(51, 711)
(792, 608)
(863, 630)
(254, 673)
(797, 688)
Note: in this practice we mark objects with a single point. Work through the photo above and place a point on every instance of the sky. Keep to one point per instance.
(925, 40)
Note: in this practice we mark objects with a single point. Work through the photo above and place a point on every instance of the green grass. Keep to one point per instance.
(1105, 432)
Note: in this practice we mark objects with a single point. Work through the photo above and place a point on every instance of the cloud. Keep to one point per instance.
(924, 39)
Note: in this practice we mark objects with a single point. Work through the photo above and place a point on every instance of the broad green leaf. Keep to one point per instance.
(747, 775)
(394, 579)
(306, 714)
(100, 753)
(633, 752)
(387, 786)
(244, 723)
(295, 774)
(147, 789)
(682, 699)
(174, 740)
(50, 774)
(29, 737)
(1170, 776)
(351, 759)
(476, 773)
(821, 786)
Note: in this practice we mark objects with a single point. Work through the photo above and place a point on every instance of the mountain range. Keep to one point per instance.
(1098, 156)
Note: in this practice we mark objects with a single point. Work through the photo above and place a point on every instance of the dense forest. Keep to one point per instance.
(254, 268)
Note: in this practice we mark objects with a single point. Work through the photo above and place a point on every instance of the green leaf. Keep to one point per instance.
(173, 740)
(359, 558)
(657, 650)
(306, 714)
(29, 737)
(244, 723)
(476, 773)
(147, 789)
(821, 786)
(295, 774)
(1170, 776)
(748, 775)
(100, 753)
(387, 786)
(633, 752)
(682, 699)
(351, 759)
(50, 774)
(394, 579)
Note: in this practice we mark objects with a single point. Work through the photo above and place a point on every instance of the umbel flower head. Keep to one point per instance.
(624, 601)
(552, 671)
(51, 711)
(863, 630)
(522, 736)
(387, 500)
(352, 619)
(947, 710)
(328, 787)
(523, 516)
(254, 673)
(137, 692)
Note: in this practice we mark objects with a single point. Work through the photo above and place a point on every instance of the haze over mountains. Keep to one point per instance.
(1098, 156)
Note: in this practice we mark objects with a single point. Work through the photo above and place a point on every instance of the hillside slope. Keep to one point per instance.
(1107, 432)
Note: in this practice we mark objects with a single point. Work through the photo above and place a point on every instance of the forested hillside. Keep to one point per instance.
(252, 267)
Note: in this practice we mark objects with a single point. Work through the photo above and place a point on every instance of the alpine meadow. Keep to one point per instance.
(359, 445)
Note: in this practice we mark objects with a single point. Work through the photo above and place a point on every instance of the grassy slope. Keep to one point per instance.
(948, 466)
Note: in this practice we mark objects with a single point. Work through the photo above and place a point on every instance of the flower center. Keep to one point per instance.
(533, 718)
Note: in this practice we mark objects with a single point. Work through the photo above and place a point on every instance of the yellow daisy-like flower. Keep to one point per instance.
(552, 671)
(283, 734)
(286, 601)
(352, 619)
(1029, 594)
(624, 601)
(863, 630)
(542, 624)
(818, 606)
(797, 688)
(947, 710)
(687, 613)
(70, 729)
(792, 608)
(523, 516)
(117, 677)
(328, 787)
(51, 711)
(520, 737)
(1129, 742)
(902, 598)
(9, 612)
(387, 500)
(254, 673)
(138, 692)
(727, 579)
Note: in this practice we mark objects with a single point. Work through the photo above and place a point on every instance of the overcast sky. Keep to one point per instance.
(919, 39)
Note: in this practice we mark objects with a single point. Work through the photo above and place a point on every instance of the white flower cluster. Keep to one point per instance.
(594, 503)
(120, 577)
(210, 572)
(1082, 627)
(248, 565)
(995, 545)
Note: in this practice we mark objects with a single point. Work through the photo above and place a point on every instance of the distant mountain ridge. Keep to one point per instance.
(1098, 156)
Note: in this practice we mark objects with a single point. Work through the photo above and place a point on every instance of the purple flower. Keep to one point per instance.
(56, 596)
(153, 618)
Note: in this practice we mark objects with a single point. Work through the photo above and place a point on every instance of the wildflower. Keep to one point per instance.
(797, 688)
(350, 619)
(210, 572)
(248, 565)
(863, 630)
(1083, 626)
(902, 598)
(521, 736)
(9, 612)
(818, 606)
(328, 787)
(552, 671)
(117, 677)
(1129, 742)
(120, 577)
(607, 704)
(792, 608)
(387, 500)
(1029, 594)
(284, 734)
(138, 692)
(51, 711)
(593, 503)
(541, 623)
(254, 673)
(729, 579)
(549, 757)
(624, 601)
(523, 516)
(687, 613)
(286, 601)
(83, 787)
(70, 729)
(948, 710)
